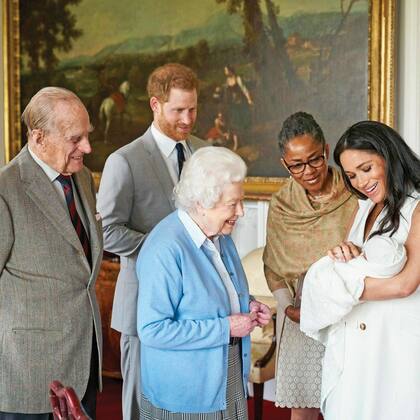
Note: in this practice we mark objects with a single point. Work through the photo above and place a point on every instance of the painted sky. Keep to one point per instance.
(106, 22)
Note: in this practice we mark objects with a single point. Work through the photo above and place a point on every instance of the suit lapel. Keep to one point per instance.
(195, 143)
(41, 191)
(85, 195)
(159, 166)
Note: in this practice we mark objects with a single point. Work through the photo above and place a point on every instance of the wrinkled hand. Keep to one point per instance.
(344, 252)
(242, 325)
(293, 313)
(262, 311)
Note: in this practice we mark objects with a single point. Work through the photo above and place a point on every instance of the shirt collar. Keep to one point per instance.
(197, 235)
(166, 144)
(51, 173)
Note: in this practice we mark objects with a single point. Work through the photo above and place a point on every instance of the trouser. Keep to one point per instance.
(88, 401)
(130, 369)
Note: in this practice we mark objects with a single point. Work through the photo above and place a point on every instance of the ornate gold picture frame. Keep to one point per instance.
(376, 95)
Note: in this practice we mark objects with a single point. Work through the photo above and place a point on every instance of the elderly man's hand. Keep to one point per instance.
(262, 311)
(241, 325)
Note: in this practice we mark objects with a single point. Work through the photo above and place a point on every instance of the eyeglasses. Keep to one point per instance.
(298, 168)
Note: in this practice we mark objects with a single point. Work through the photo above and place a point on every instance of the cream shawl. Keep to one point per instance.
(299, 234)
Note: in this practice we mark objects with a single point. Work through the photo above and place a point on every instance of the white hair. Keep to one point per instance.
(39, 113)
(205, 175)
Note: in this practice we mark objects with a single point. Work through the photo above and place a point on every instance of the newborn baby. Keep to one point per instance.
(331, 288)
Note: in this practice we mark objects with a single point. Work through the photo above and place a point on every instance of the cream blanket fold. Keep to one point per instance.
(332, 288)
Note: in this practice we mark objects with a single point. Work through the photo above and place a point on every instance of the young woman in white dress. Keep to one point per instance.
(378, 376)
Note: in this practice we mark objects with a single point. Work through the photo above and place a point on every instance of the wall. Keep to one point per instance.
(250, 230)
(2, 151)
(408, 77)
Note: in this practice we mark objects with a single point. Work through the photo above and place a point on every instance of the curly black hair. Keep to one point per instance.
(299, 124)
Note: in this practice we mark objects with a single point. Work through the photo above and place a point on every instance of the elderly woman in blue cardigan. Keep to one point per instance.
(194, 309)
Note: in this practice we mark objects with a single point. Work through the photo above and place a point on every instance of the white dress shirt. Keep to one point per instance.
(169, 153)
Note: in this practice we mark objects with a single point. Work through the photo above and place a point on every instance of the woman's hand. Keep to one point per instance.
(242, 325)
(344, 252)
(262, 311)
(293, 313)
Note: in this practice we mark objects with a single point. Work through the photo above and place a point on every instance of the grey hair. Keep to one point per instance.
(299, 124)
(205, 175)
(39, 112)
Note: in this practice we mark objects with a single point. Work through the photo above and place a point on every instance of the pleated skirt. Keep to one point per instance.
(236, 408)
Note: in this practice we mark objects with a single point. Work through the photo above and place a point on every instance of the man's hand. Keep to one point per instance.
(262, 311)
(242, 325)
(293, 313)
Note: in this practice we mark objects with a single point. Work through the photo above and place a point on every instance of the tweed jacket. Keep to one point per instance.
(48, 307)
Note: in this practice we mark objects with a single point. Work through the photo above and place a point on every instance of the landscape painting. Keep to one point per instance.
(258, 61)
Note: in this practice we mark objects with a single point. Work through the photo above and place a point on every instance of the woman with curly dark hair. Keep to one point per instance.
(308, 215)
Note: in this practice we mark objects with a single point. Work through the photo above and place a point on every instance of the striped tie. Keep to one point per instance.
(65, 181)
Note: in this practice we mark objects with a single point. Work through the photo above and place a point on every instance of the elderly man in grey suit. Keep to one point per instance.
(136, 193)
(50, 253)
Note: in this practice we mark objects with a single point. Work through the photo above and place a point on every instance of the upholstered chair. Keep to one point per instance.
(65, 403)
(263, 340)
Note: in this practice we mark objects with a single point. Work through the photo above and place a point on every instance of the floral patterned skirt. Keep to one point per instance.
(299, 368)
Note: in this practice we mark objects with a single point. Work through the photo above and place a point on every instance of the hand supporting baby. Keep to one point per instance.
(344, 252)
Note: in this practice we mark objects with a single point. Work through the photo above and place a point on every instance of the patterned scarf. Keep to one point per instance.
(299, 232)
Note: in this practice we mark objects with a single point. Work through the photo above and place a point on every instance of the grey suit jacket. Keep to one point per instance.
(48, 307)
(134, 195)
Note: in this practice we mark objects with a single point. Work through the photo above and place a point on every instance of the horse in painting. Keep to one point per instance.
(114, 106)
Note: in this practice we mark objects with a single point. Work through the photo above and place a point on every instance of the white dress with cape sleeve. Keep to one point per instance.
(379, 377)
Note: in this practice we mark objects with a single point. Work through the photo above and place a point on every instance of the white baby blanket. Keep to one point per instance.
(332, 288)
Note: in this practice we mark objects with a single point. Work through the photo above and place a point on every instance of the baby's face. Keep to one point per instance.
(380, 249)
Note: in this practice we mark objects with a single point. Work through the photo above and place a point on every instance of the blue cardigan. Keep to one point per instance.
(182, 320)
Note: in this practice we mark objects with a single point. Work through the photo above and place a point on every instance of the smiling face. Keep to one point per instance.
(304, 149)
(175, 117)
(221, 219)
(366, 172)
(64, 145)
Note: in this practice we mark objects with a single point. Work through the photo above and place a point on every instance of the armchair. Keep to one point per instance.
(65, 403)
(263, 340)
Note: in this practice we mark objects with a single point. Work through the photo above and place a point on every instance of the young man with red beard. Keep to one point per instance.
(136, 193)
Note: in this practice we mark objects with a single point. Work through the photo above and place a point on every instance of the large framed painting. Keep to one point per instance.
(258, 61)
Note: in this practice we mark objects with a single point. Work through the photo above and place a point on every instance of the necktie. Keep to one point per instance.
(181, 157)
(65, 181)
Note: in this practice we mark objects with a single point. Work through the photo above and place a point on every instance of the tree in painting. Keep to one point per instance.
(278, 86)
(264, 43)
(43, 34)
(46, 28)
